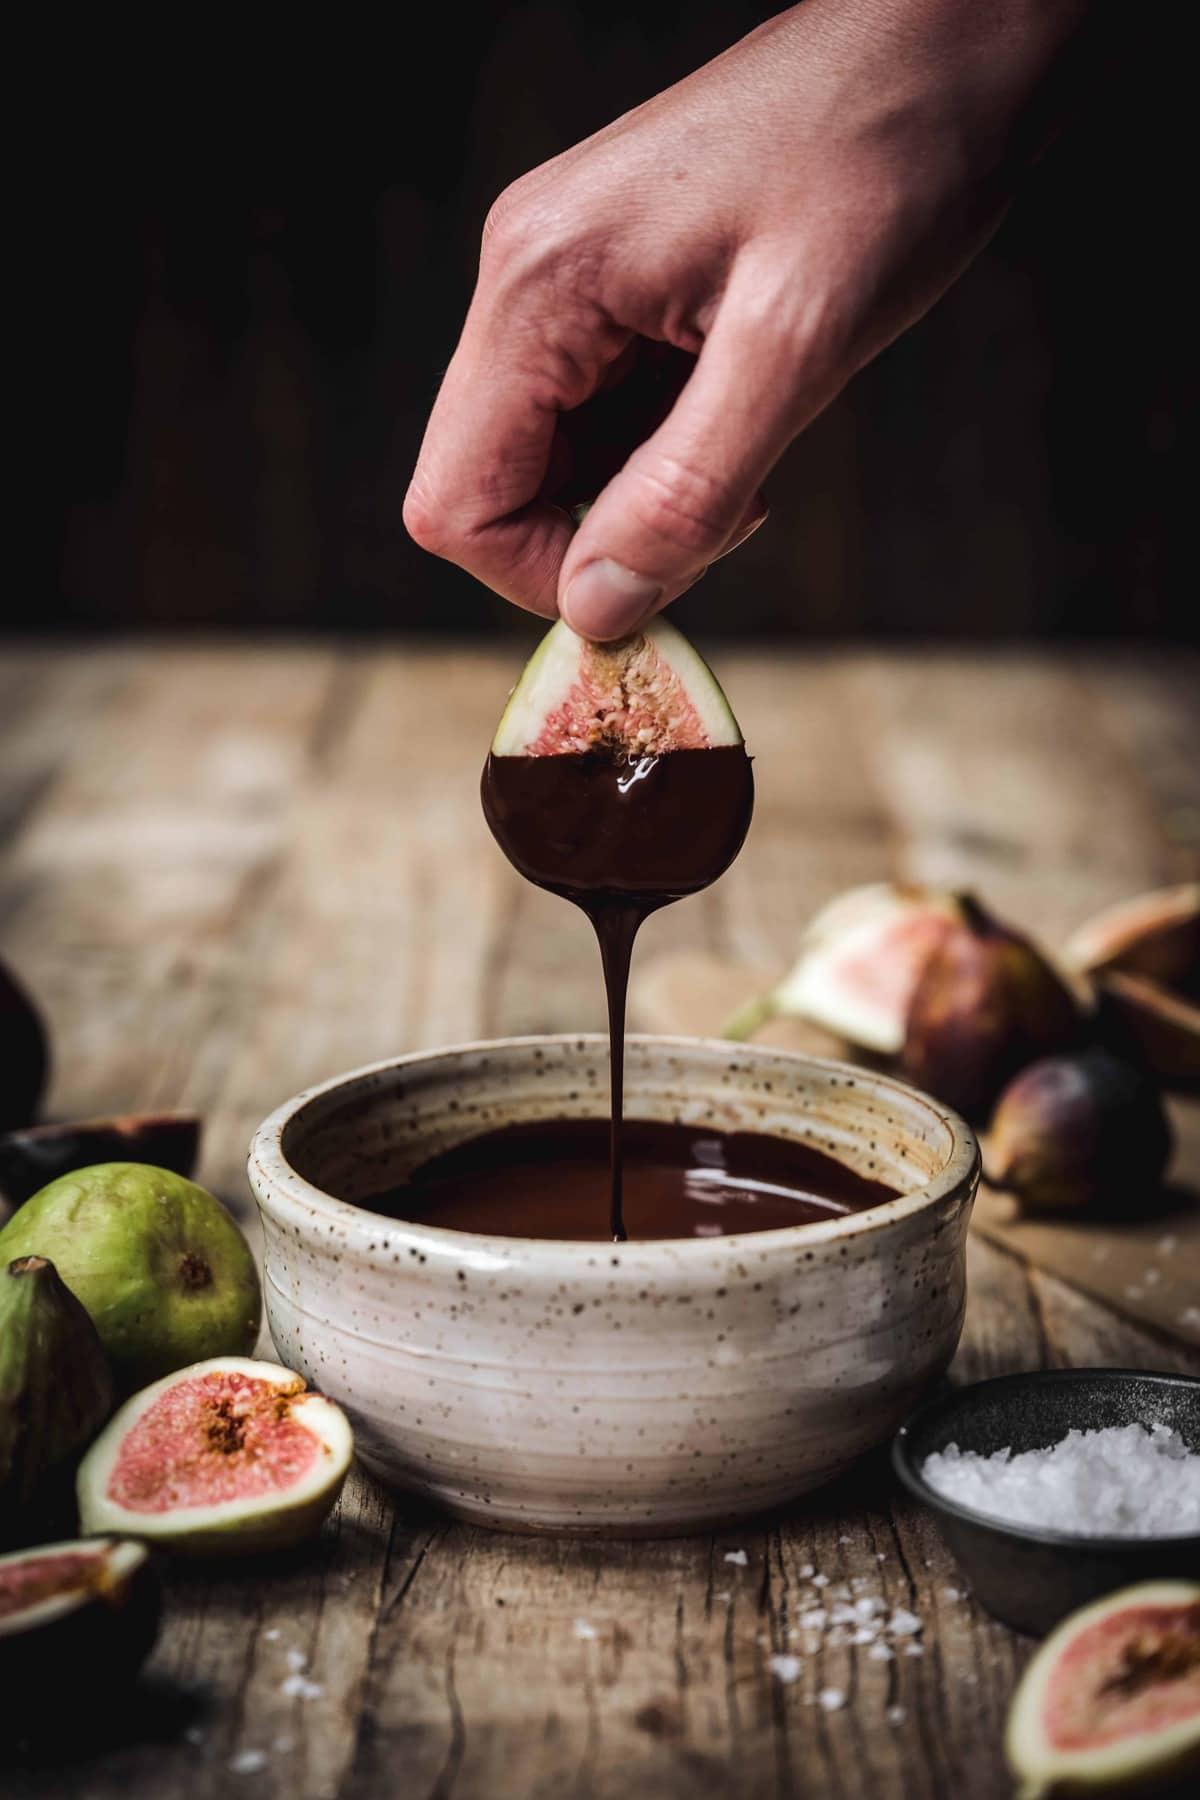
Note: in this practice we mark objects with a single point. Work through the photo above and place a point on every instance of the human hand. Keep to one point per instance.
(778, 218)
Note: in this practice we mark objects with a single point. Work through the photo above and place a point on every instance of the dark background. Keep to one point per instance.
(248, 268)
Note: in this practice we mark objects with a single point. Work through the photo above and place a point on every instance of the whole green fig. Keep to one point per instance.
(56, 1388)
(158, 1262)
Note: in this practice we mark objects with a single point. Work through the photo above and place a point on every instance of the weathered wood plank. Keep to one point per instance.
(238, 871)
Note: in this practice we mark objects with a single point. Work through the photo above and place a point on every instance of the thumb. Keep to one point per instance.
(690, 492)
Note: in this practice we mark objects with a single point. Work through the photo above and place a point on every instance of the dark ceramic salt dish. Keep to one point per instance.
(1027, 1576)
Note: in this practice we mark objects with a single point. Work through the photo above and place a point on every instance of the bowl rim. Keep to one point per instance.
(962, 1399)
(281, 1190)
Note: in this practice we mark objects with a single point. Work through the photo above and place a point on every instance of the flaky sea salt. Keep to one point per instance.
(786, 1668)
(1123, 1481)
(248, 1762)
(737, 1556)
(831, 1698)
(583, 1630)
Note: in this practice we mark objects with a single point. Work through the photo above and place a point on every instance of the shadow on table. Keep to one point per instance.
(152, 1712)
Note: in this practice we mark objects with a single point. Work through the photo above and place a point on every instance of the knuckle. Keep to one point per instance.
(508, 216)
(425, 521)
(686, 506)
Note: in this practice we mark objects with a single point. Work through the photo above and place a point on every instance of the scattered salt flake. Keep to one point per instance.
(724, 1596)
(820, 1581)
(272, 1636)
(582, 1629)
(1123, 1481)
(1151, 1276)
(737, 1556)
(866, 1634)
(881, 1556)
(904, 1623)
(1167, 1244)
(815, 1619)
(896, 1715)
(297, 1659)
(845, 1540)
(913, 1650)
(869, 1607)
(951, 1593)
(1134, 1292)
(881, 1652)
(248, 1762)
(786, 1668)
(194, 1734)
(1190, 1316)
(832, 1699)
(284, 1744)
(299, 1687)
(807, 1571)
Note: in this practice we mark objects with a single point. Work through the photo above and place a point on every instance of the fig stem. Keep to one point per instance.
(747, 1019)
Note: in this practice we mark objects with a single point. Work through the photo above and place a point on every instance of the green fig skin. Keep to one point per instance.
(161, 1266)
(56, 1387)
(24, 1054)
(985, 1004)
(1078, 1132)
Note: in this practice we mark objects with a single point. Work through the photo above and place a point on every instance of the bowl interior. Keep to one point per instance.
(368, 1132)
(1031, 1412)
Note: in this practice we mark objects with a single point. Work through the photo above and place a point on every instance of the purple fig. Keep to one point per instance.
(30, 1159)
(24, 1054)
(986, 1003)
(1077, 1131)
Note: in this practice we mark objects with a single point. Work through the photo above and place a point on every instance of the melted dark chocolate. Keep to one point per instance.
(552, 1180)
(620, 836)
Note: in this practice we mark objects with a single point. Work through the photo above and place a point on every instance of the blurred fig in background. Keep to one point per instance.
(24, 1054)
(1156, 936)
(858, 963)
(31, 1158)
(985, 1003)
(1080, 1131)
(1153, 1026)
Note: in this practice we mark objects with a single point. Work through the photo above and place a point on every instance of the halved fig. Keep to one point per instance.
(24, 1054)
(222, 1459)
(1155, 935)
(642, 696)
(77, 1619)
(1111, 1701)
(1153, 1026)
(858, 964)
(41, 1153)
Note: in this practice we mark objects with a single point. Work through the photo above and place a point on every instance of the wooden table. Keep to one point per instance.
(232, 871)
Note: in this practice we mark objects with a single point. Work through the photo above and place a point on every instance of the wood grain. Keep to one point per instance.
(231, 871)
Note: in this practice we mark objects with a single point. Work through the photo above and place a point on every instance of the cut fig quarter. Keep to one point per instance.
(646, 695)
(41, 1153)
(77, 1619)
(225, 1458)
(1154, 1026)
(858, 963)
(1111, 1701)
(1155, 935)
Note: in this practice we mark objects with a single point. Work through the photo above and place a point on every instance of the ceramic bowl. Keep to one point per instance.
(639, 1389)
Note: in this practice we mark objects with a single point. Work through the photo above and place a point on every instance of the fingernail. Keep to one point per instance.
(742, 536)
(606, 600)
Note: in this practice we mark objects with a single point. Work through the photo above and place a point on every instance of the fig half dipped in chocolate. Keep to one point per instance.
(985, 1003)
(31, 1158)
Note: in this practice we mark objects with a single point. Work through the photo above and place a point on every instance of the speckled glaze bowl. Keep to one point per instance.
(639, 1389)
